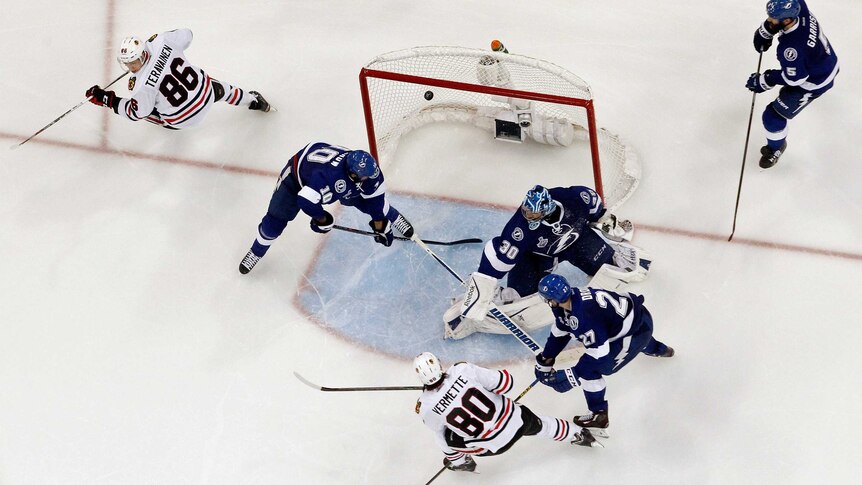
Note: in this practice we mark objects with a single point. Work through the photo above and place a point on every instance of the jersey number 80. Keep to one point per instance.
(476, 410)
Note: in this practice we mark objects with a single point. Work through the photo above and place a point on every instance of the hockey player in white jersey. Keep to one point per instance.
(470, 415)
(166, 89)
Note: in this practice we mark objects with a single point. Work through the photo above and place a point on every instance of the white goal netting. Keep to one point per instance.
(467, 89)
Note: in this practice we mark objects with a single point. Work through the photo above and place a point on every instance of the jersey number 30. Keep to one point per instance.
(476, 410)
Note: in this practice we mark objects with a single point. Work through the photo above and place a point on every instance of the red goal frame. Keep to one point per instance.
(587, 104)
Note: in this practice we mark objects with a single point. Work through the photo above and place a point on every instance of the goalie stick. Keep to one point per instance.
(64, 114)
(471, 240)
(354, 389)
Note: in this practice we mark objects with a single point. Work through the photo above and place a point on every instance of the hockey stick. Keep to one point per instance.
(471, 240)
(354, 389)
(495, 312)
(744, 153)
(13, 147)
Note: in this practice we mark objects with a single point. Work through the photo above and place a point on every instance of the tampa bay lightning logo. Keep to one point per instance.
(569, 321)
(790, 54)
(567, 237)
(340, 186)
(518, 234)
(572, 322)
(585, 197)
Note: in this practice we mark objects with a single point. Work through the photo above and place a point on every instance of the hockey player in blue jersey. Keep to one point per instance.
(552, 225)
(808, 69)
(613, 327)
(322, 174)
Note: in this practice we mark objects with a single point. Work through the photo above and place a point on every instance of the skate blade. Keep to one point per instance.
(596, 444)
(600, 432)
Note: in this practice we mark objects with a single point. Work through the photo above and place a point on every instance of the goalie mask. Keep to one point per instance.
(555, 288)
(361, 165)
(537, 205)
(428, 367)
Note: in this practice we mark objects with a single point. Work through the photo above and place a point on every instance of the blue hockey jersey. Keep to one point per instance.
(576, 207)
(320, 172)
(807, 59)
(598, 318)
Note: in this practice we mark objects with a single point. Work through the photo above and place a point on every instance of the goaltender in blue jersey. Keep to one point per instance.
(322, 174)
(552, 225)
(809, 65)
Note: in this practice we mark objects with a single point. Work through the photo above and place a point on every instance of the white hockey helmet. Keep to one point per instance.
(428, 367)
(131, 49)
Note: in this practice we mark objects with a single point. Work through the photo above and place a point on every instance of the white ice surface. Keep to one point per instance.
(133, 352)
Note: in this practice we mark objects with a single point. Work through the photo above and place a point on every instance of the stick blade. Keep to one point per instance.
(307, 382)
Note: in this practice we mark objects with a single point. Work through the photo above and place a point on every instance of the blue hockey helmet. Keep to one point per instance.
(361, 165)
(783, 9)
(554, 287)
(537, 204)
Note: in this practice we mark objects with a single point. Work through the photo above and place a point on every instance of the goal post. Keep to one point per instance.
(519, 98)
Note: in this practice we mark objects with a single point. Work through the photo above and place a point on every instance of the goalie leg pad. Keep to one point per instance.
(478, 297)
(529, 313)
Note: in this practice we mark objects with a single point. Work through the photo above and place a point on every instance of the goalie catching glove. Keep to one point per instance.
(615, 228)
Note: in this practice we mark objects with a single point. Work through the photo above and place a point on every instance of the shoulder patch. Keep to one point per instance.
(131, 83)
(585, 196)
(790, 54)
(518, 234)
(340, 186)
(152, 37)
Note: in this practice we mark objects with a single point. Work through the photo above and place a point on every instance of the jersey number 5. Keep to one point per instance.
(175, 86)
(476, 410)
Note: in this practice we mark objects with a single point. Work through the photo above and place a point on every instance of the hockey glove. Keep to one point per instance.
(544, 368)
(324, 226)
(763, 36)
(614, 228)
(468, 466)
(757, 83)
(561, 380)
(384, 235)
(100, 97)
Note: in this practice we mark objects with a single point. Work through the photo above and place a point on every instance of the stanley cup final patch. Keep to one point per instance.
(790, 54)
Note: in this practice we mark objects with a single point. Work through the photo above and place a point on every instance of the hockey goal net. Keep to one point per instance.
(519, 98)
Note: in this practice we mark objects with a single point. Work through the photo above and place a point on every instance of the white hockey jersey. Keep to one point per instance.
(470, 404)
(180, 93)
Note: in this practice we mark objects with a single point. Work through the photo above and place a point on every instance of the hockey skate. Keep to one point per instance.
(770, 157)
(596, 422)
(259, 104)
(248, 262)
(662, 351)
(586, 438)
